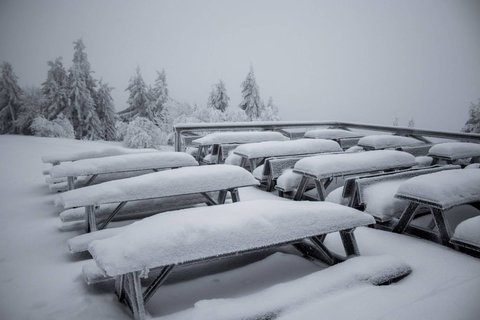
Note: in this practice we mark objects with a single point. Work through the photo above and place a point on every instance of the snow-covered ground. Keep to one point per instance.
(40, 279)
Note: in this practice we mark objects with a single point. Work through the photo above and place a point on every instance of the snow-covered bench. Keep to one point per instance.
(438, 192)
(408, 144)
(234, 138)
(169, 183)
(375, 193)
(159, 242)
(117, 164)
(345, 138)
(219, 153)
(452, 151)
(254, 153)
(56, 159)
(322, 169)
(467, 234)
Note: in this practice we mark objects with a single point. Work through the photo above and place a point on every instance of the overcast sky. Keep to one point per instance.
(363, 61)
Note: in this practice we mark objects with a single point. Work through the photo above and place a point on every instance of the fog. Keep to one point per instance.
(363, 61)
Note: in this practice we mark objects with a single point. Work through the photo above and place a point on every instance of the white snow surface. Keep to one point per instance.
(384, 141)
(331, 134)
(473, 166)
(286, 148)
(336, 196)
(122, 163)
(289, 181)
(258, 172)
(380, 199)
(447, 188)
(468, 231)
(40, 280)
(455, 150)
(96, 153)
(167, 183)
(196, 233)
(329, 165)
(233, 159)
(239, 137)
(423, 161)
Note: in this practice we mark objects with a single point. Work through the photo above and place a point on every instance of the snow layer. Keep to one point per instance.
(286, 148)
(468, 231)
(423, 161)
(446, 188)
(380, 200)
(196, 233)
(167, 183)
(336, 196)
(258, 172)
(97, 153)
(473, 166)
(289, 181)
(233, 159)
(329, 165)
(239, 137)
(455, 150)
(383, 141)
(280, 298)
(331, 134)
(121, 163)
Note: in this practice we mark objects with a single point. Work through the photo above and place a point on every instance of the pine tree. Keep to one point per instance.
(138, 99)
(30, 109)
(218, 98)
(81, 86)
(105, 111)
(251, 103)
(411, 123)
(11, 99)
(473, 122)
(55, 90)
(270, 111)
(158, 96)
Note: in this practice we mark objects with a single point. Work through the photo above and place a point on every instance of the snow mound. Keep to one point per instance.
(239, 137)
(258, 172)
(104, 152)
(423, 161)
(192, 234)
(331, 134)
(290, 180)
(445, 189)
(125, 162)
(468, 231)
(473, 166)
(329, 165)
(384, 141)
(233, 159)
(286, 148)
(281, 298)
(455, 150)
(167, 183)
(336, 196)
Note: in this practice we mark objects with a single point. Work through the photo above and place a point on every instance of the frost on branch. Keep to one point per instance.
(143, 133)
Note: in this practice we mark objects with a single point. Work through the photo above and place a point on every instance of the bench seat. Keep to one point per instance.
(238, 137)
(438, 192)
(451, 151)
(384, 141)
(206, 233)
(467, 234)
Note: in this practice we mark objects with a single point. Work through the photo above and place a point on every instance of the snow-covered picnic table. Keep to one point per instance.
(438, 192)
(121, 163)
(323, 168)
(175, 182)
(383, 141)
(201, 234)
(345, 138)
(58, 158)
(451, 151)
(217, 139)
(254, 153)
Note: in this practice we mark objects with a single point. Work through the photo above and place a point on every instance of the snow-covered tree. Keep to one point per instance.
(106, 111)
(30, 109)
(218, 98)
(270, 112)
(411, 123)
(473, 122)
(81, 94)
(11, 99)
(138, 99)
(55, 90)
(158, 96)
(143, 133)
(251, 103)
(59, 127)
(395, 122)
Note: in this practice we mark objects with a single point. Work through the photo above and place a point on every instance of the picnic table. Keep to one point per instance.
(344, 138)
(453, 151)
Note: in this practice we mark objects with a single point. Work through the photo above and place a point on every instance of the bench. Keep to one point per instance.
(375, 193)
(383, 141)
(322, 169)
(219, 153)
(467, 235)
(160, 242)
(182, 181)
(344, 138)
(450, 152)
(254, 153)
(153, 161)
(233, 137)
(437, 192)
(56, 159)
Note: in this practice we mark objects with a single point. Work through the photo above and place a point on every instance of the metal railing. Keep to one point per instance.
(279, 125)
